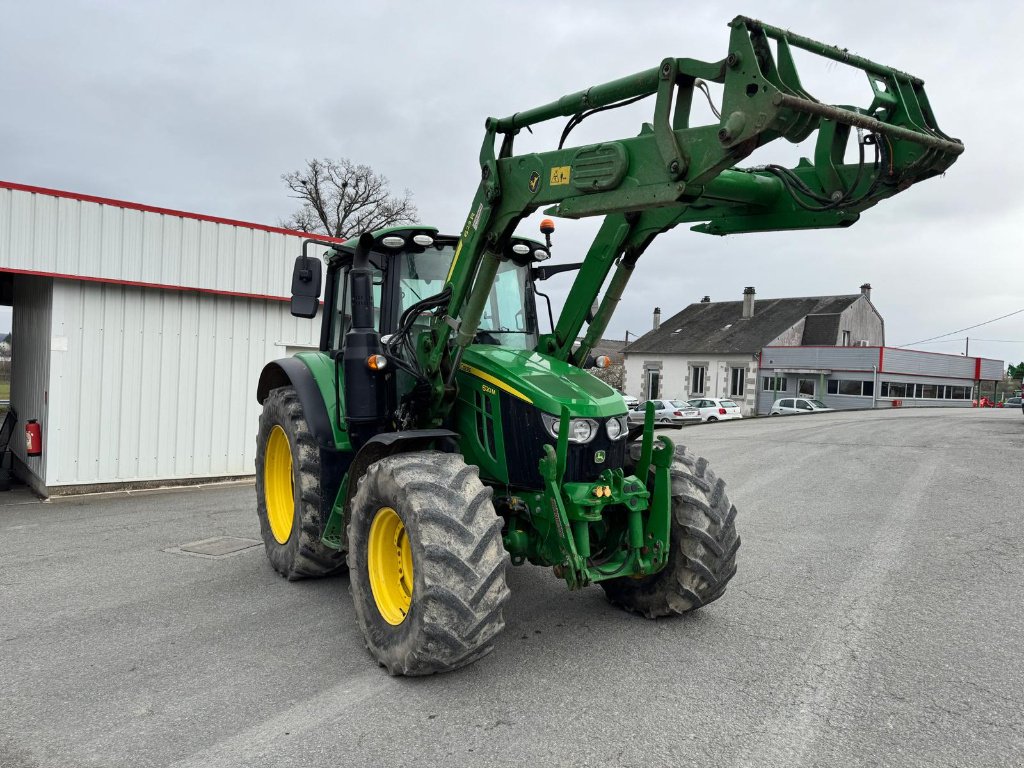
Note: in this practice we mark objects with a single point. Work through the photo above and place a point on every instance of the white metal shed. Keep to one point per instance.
(139, 334)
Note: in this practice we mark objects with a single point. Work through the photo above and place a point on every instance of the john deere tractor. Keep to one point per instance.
(447, 428)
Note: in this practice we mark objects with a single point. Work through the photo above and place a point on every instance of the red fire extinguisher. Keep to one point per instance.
(33, 438)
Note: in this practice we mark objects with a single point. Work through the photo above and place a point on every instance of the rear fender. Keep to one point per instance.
(290, 371)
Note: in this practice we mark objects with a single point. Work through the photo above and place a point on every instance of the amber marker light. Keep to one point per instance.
(376, 362)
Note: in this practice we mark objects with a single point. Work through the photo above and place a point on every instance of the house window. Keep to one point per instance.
(774, 384)
(806, 387)
(737, 379)
(846, 338)
(698, 374)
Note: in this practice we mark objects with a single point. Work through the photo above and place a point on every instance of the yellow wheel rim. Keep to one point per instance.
(389, 562)
(278, 485)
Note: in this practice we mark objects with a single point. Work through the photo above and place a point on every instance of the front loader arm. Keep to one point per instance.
(673, 173)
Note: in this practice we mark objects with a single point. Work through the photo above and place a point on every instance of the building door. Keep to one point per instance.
(806, 387)
(653, 384)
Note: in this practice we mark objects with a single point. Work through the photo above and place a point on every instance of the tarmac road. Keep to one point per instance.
(876, 619)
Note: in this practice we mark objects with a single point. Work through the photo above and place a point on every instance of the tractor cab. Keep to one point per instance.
(411, 265)
(398, 276)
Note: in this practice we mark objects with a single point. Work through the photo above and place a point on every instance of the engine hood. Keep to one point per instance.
(541, 380)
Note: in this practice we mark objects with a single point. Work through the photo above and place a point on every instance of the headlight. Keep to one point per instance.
(580, 430)
(615, 427)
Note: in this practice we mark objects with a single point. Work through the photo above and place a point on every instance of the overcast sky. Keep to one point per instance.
(202, 107)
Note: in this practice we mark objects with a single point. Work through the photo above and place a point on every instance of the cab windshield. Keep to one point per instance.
(506, 320)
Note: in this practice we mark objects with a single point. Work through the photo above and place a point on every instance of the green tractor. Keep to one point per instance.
(439, 433)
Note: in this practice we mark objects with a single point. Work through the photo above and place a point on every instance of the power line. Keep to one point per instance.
(961, 330)
(964, 338)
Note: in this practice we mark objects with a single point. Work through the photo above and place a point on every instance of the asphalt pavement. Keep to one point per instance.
(876, 619)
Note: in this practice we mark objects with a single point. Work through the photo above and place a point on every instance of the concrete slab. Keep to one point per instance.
(876, 619)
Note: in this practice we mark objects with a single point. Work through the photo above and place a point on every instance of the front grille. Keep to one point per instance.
(525, 437)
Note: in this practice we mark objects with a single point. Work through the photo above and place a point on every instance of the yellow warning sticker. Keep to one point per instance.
(560, 175)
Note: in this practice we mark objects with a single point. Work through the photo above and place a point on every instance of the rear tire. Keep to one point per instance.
(291, 521)
(703, 544)
(712, 418)
(447, 612)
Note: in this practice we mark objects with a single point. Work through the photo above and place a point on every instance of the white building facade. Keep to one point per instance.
(139, 335)
(686, 376)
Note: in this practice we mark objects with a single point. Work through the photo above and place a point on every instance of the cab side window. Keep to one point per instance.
(342, 319)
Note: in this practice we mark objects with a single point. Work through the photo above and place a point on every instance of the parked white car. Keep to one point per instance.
(716, 409)
(631, 402)
(789, 405)
(665, 412)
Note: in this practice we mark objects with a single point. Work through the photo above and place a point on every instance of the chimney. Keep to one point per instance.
(657, 318)
(748, 302)
(706, 300)
(865, 291)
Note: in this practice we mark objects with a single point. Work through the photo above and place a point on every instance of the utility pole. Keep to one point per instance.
(967, 346)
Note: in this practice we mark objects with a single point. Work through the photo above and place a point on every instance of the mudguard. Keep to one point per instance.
(290, 371)
(389, 443)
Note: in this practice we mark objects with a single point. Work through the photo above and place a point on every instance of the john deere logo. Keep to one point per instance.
(534, 181)
(599, 457)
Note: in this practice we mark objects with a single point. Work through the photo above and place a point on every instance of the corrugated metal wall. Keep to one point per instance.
(30, 365)
(156, 384)
(928, 364)
(44, 233)
(992, 370)
(913, 366)
(838, 358)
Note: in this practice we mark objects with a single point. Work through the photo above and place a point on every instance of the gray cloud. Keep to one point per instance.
(202, 106)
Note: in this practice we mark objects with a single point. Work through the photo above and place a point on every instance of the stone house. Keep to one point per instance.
(712, 348)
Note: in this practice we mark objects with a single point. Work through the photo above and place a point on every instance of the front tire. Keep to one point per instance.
(288, 491)
(427, 563)
(702, 545)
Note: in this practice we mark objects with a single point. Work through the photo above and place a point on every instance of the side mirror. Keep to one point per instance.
(306, 278)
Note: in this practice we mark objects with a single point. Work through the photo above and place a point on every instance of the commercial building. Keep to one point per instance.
(872, 377)
(138, 336)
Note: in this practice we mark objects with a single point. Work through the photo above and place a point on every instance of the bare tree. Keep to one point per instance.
(342, 199)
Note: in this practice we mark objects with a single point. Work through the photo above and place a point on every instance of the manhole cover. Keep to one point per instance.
(218, 546)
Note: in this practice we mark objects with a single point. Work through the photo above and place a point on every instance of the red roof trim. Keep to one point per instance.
(141, 284)
(164, 211)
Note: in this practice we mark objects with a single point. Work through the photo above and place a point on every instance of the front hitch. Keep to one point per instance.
(644, 501)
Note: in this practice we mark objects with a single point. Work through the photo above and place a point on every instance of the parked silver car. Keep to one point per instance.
(666, 412)
(790, 405)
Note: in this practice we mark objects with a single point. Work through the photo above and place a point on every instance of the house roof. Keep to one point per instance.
(610, 347)
(821, 330)
(718, 327)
